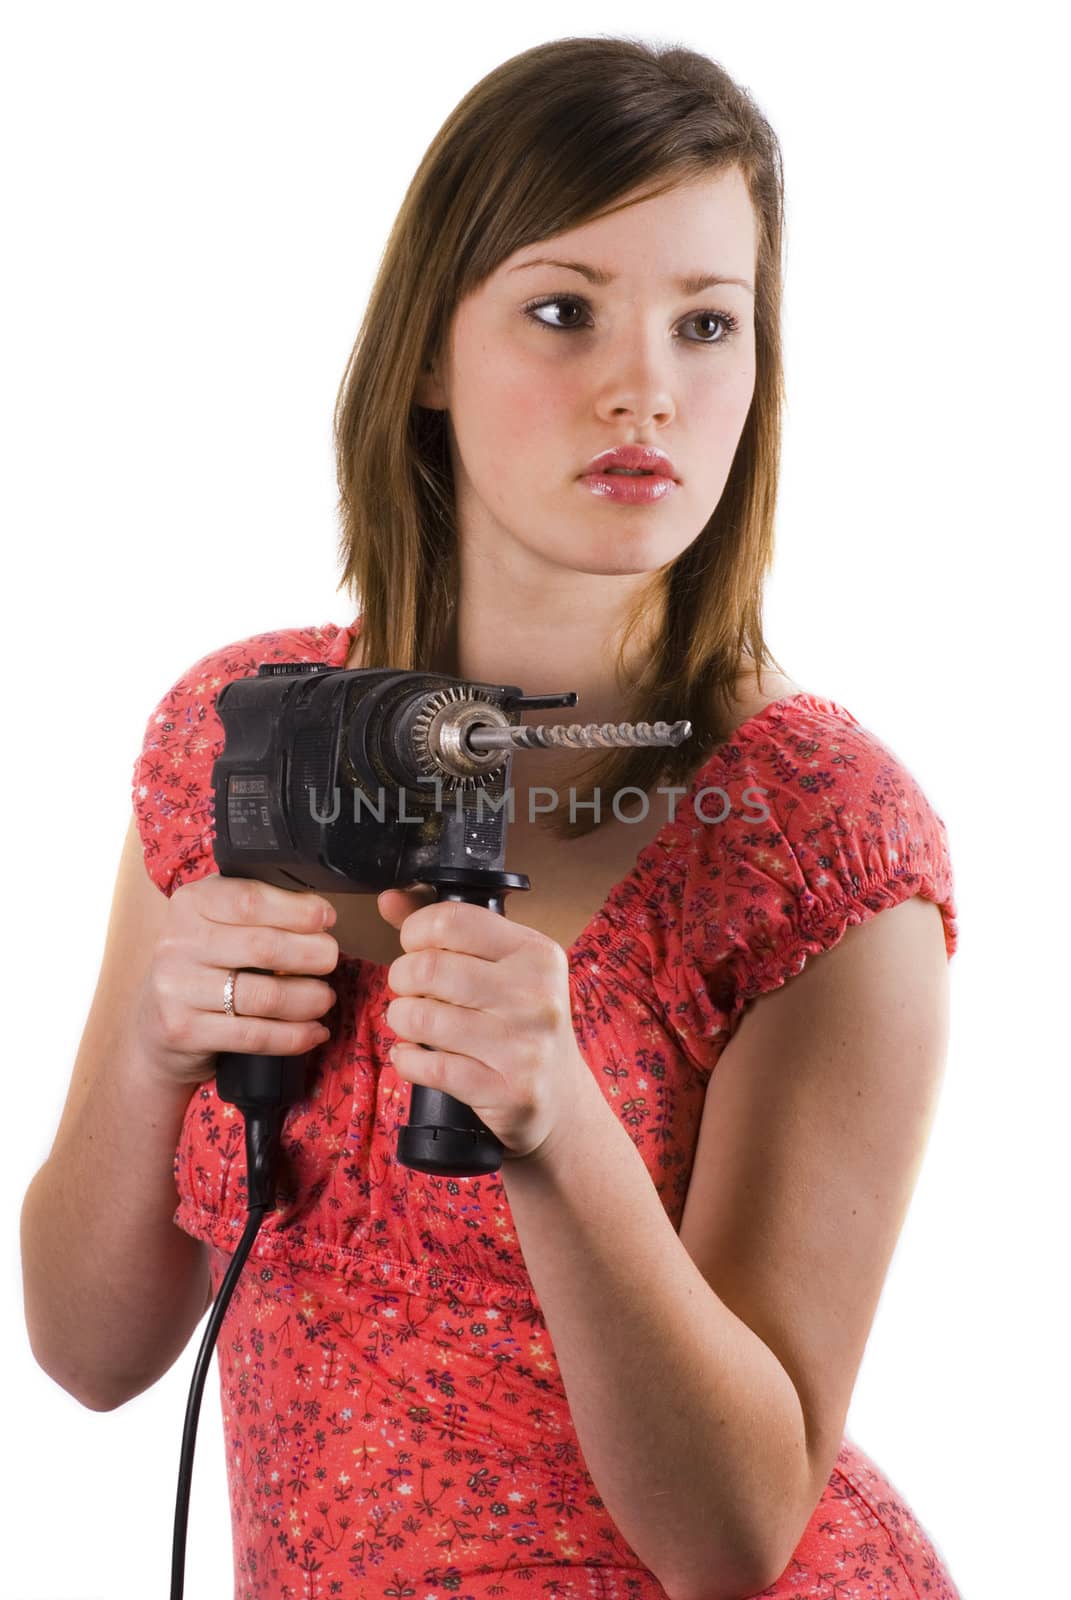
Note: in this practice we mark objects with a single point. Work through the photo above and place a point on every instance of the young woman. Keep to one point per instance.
(711, 1036)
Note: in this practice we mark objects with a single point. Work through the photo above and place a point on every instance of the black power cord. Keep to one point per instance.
(262, 1127)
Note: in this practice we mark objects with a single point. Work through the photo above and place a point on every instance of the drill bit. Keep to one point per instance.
(578, 735)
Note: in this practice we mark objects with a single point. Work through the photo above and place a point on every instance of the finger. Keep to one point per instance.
(467, 1080)
(274, 949)
(192, 1031)
(444, 975)
(248, 902)
(420, 1020)
(397, 904)
(258, 994)
(470, 930)
(254, 1035)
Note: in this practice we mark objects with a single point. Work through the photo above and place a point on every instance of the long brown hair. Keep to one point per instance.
(553, 138)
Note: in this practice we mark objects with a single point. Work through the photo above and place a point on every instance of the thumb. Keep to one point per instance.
(397, 904)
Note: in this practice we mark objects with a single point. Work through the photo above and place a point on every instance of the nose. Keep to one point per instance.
(635, 381)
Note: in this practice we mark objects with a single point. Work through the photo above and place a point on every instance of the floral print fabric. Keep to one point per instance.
(395, 1420)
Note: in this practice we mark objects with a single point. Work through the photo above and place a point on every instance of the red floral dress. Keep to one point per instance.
(395, 1420)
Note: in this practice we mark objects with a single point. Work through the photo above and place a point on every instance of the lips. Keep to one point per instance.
(634, 457)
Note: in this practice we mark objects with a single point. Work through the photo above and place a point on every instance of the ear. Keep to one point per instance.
(429, 391)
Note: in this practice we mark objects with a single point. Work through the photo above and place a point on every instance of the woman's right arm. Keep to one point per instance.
(112, 1287)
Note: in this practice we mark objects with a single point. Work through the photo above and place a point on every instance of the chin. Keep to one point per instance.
(618, 565)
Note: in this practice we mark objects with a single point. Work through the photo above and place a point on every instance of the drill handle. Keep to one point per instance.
(444, 1135)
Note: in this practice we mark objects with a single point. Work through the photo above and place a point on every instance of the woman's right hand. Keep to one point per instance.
(213, 926)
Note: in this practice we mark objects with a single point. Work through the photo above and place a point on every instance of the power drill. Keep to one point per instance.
(360, 780)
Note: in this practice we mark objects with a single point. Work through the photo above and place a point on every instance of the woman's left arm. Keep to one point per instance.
(708, 1374)
(689, 1425)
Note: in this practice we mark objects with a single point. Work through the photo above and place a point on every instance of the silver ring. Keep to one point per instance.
(228, 995)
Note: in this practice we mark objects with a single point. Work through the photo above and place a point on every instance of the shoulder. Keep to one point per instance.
(171, 787)
(801, 824)
(241, 658)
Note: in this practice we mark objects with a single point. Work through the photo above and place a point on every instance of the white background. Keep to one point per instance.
(195, 199)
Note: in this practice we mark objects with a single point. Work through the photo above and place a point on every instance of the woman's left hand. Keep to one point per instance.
(491, 998)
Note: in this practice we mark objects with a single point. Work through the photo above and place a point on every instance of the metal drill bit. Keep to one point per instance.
(578, 735)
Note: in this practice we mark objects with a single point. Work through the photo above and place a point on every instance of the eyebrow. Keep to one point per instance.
(691, 285)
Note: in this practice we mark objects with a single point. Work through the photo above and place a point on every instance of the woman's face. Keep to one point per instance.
(534, 392)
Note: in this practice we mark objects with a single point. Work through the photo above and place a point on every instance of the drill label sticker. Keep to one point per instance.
(248, 813)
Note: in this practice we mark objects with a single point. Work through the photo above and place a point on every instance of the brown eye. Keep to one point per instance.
(541, 305)
(727, 323)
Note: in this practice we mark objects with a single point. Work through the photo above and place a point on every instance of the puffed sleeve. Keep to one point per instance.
(171, 784)
(825, 827)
